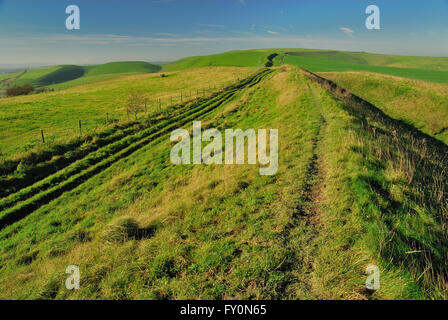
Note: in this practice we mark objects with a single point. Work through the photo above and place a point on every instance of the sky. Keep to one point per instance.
(33, 32)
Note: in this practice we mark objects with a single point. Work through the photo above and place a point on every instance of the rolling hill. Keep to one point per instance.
(69, 75)
(66, 76)
(354, 187)
(361, 180)
(421, 68)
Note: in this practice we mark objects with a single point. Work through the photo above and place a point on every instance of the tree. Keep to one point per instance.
(136, 103)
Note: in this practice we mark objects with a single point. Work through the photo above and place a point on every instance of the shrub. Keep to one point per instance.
(19, 90)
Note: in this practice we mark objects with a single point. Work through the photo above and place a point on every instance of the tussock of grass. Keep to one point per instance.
(125, 229)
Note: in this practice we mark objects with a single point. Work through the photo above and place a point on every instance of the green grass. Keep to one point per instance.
(8, 75)
(21, 118)
(421, 104)
(355, 186)
(74, 75)
(343, 198)
(243, 58)
(433, 69)
(326, 65)
(424, 68)
(121, 67)
(427, 63)
(394, 191)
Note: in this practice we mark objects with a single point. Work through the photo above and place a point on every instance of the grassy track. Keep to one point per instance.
(397, 193)
(247, 230)
(358, 184)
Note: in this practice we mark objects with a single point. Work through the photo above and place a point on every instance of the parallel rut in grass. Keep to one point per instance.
(21, 204)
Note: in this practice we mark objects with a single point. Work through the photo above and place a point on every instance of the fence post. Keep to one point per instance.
(160, 106)
(127, 113)
(80, 127)
(107, 117)
(42, 135)
(181, 98)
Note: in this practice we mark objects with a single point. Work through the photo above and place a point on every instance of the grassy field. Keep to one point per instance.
(421, 104)
(353, 188)
(421, 68)
(21, 118)
(60, 77)
(243, 58)
(326, 65)
(372, 59)
(358, 184)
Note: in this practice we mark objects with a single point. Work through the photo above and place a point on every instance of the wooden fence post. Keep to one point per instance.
(42, 135)
(107, 117)
(80, 127)
(160, 106)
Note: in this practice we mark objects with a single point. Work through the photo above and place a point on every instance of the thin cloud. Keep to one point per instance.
(165, 34)
(218, 26)
(347, 31)
(271, 32)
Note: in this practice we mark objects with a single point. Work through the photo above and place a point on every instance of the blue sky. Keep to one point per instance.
(32, 32)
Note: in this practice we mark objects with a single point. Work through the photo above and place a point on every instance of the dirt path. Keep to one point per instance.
(316, 170)
(306, 226)
(313, 205)
(6, 82)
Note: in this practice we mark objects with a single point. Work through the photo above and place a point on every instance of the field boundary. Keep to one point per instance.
(355, 103)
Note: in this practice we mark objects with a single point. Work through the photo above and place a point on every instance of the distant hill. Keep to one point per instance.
(434, 69)
(63, 74)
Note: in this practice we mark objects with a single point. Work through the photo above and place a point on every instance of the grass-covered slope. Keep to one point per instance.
(57, 113)
(52, 76)
(122, 67)
(432, 69)
(354, 188)
(62, 74)
(421, 104)
(242, 58)
(317, 64)
(372, 59)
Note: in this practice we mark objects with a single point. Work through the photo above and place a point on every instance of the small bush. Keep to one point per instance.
(20, 90)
